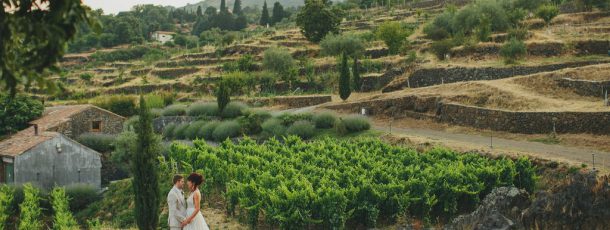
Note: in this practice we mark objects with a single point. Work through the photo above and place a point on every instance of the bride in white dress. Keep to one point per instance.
(194, 220)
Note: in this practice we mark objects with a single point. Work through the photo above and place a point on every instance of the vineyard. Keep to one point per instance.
(331, 183)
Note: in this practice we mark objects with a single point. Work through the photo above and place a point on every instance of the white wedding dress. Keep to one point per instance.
(198, 222)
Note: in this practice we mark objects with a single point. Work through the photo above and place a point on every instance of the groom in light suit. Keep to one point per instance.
(177, 204)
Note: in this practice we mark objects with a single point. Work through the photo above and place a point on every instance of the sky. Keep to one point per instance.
(115, 6)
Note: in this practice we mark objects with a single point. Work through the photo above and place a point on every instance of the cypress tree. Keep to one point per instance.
(265, 15)
(199, 12)
(237, 7)
(144, 170)
(278, 13)
(222, 96)
(356, 75)
(223, 6)
(344, 83)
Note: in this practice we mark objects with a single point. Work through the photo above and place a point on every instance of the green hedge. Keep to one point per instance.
(226, 129)
(302, 129)
(103, 143)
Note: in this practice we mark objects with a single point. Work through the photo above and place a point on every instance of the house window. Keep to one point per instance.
(96, 126)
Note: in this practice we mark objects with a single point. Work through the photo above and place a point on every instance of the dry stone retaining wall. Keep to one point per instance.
(137, 89)
(585, 87)
(174, 73)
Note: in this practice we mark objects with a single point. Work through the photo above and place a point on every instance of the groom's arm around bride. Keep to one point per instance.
(176, 204)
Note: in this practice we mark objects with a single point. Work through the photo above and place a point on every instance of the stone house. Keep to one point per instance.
(45, 154)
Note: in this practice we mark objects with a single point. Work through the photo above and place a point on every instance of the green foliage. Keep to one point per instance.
(233, 110)
(251, 121)
(264, 16)
(86, 76)
(203, 109)
(393, 34)
(144, 171)
(345, 88)
(159, 100)
(207, 131)
(547, 12)
(28, 53)
(356, 123)
(288, 119)
(102, 143)
(192, 132)
(63, 219)
(180, 132)
(16, 112)
(6, 199)
(226, 129)
(278, 13)
(246, 63)
(123, 105)
(124, 147)
(274, 127)
(80, 196)
(324, 120)
(279, 60)
(302, 129)
(223, 96)
(519, 33)
(31, 213)
(326, 183)
(526, 174)
(174, 110)
(316, 20)
(168, 131)
(335, 45)
(442, 48)
(356, 81)
(513, 50)
(123, 54)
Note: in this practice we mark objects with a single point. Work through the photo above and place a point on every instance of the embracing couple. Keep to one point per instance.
(185, 214)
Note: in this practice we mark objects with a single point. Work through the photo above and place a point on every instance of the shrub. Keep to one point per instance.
(63, 218)
(158, 100)
(223, 96)
(303, 129)
(274, 127)
(81, 196)
(519, 33)
(31, 213)
(226, 129)
(124, 146)
(17, 112)
(203, 109)
(122, 54)
(86, 76)
(6, 199)
(120, 104)
(442, 48)
(174, 110)
(130, 123)
(335, 45)
(440, 28)
(547, 12)
(288, 118)
(324, 120)
(316, 20)
(103, 143)
(246, 63)
(278, 60)
(180, 131)
(251, 121)
(356, 123)
(192, 132)
(168, 131)
(233, 110)
(207, 131)
(393, 34)
(345, 89)
(513, 50)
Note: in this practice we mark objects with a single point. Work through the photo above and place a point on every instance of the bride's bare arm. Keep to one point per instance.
(196, 201)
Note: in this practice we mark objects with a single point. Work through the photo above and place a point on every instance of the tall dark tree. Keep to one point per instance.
(345, 88)
(223, 96)
(199, 12)
(44, 31)
(265, 15)
(240, 23)
(316, 20)
(237, 7)
(223, 6)
(356, 75)
(278, 13)
(144, 171)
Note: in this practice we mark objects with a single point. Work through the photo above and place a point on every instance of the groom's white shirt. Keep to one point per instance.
(177, 208)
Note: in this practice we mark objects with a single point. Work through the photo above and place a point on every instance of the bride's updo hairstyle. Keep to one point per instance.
(195, 178)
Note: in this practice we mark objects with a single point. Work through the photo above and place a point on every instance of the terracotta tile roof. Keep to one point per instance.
(52, 117)
(24, 141)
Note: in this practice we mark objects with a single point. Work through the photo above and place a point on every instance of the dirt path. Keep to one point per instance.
(572, 155)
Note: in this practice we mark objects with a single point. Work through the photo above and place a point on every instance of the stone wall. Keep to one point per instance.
(483, 118)
(174, 73)
(436, 76)
(292, 101)
(585, 87)
(372, 83)
(81, 123)
(525, 122)
(545, 49)
(137, 89)
(137, 72)
(193, 62)
(592, 47)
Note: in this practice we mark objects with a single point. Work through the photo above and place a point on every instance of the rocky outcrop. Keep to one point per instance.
(501, 209)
